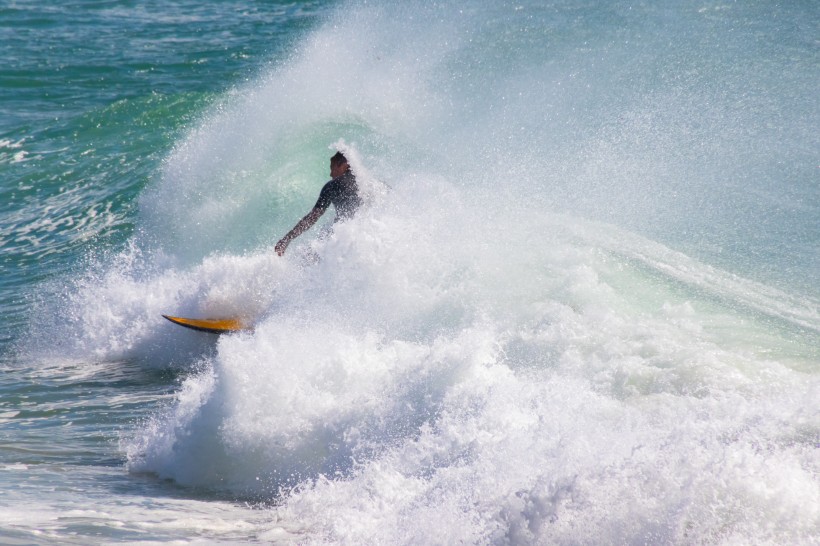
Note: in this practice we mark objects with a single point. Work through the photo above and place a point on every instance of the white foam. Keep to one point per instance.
(463, 393)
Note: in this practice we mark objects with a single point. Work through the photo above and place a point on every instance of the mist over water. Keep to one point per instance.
(580, 306)
(693, 125)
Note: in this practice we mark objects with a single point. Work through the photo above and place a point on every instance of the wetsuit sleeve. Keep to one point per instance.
(325, 197)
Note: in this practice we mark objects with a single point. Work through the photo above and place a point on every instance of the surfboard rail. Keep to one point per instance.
(211, 326)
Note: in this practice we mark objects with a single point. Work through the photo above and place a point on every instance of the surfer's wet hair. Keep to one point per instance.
(338, 159)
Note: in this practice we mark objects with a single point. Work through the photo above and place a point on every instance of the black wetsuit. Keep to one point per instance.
(343, 192)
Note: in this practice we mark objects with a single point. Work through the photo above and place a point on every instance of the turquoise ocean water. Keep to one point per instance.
(581, 305)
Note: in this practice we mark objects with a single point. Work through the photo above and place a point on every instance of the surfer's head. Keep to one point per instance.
(338, 165)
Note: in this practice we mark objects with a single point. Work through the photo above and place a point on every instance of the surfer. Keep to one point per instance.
(342, 191)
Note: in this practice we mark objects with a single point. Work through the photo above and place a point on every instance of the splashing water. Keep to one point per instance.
(581, 305)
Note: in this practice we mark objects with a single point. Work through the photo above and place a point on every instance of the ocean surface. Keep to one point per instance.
(580, 306)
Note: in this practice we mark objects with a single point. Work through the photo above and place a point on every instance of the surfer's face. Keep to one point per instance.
(337, 169)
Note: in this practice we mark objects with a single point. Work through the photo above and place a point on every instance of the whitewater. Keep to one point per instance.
(580, 305)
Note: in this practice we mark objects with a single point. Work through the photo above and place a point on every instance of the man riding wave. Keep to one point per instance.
(342, 191)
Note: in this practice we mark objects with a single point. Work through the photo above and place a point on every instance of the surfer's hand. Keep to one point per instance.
(281, 246)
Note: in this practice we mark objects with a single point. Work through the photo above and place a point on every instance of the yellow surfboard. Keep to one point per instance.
(213, 326)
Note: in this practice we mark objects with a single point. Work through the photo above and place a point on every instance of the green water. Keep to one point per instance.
(92, 97)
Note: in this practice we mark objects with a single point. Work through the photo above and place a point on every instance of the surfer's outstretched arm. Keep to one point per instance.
(304, 224)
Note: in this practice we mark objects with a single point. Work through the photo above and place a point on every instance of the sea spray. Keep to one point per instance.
(508, 393)
(544, 331)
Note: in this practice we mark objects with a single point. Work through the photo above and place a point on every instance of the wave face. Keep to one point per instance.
(581, 305)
